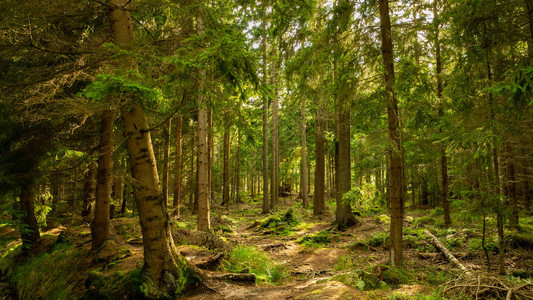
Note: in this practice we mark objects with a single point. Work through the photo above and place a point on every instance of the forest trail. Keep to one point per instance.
(305, 257)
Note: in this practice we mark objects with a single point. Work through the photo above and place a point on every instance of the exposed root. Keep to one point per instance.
(487, 287)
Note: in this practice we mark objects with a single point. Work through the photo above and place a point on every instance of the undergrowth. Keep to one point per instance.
(254, 261)
(50, 275)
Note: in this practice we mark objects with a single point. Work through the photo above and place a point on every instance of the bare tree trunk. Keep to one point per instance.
(226, 172)
(100, 224)
(204, 210)
(499, 215)
(178, 168)
(166, 161)
(344, 215)
(210, 152)
(511, 188)
(238, 170)
(318, 199)
(266, 200)
(275, 140)
(443, 159)
(396, 178)
(303, 175)
(525, 184)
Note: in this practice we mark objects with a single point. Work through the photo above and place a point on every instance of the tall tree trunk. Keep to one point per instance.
(303, 175)
(100, 224)
(89, 190)
(166, 161)
(266, 200)
(210, 152)
(525, 183)
(118, 189)
(226, 172)
(204, 210)
(238, 170)
(529, 12)
(396, 178)
(29, 230)
(275, 139)
(443, 159)
(511, 187)
(344, 215)
(178, 168)
(164, 271)
(318, 199)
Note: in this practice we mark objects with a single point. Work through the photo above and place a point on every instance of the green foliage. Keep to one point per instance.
(322, 238)
(283, 224)
(250, 259)
(390, 275)
(106, 87)
(344, 263)
(117, 285)
(363, 198)
(49, 275)
(41, 211)
(475, 244)
(423, 221)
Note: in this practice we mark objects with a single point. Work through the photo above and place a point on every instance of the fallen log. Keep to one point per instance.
(446, 252)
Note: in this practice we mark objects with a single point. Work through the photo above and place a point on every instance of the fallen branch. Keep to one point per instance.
(447, 252)
(515, 289)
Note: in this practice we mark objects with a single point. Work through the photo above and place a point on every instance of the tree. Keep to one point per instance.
(100, 223)
(164, 270)
(396, 163)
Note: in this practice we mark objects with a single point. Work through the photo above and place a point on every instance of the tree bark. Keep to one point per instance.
(266, 200)
(511, 187)
(238, 170)
(100, 223)
(29, 230)
(525, 184)
(226, 172)
(166, 161)
(204, 210)
(89, 190)
(164, 271)
(178, 168)
(344, 215)
(320, 172)
(396, 178)
(443, 159)
(275, 140)
(303, 175)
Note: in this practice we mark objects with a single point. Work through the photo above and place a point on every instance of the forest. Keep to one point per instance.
(272, 149)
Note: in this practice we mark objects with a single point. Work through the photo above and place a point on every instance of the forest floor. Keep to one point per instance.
(293, 255)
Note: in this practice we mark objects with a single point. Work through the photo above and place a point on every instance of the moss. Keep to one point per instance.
(390, 275)
(322, 238)
(254, 261)
(377, 239)
(48, 275)
(361, 279)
